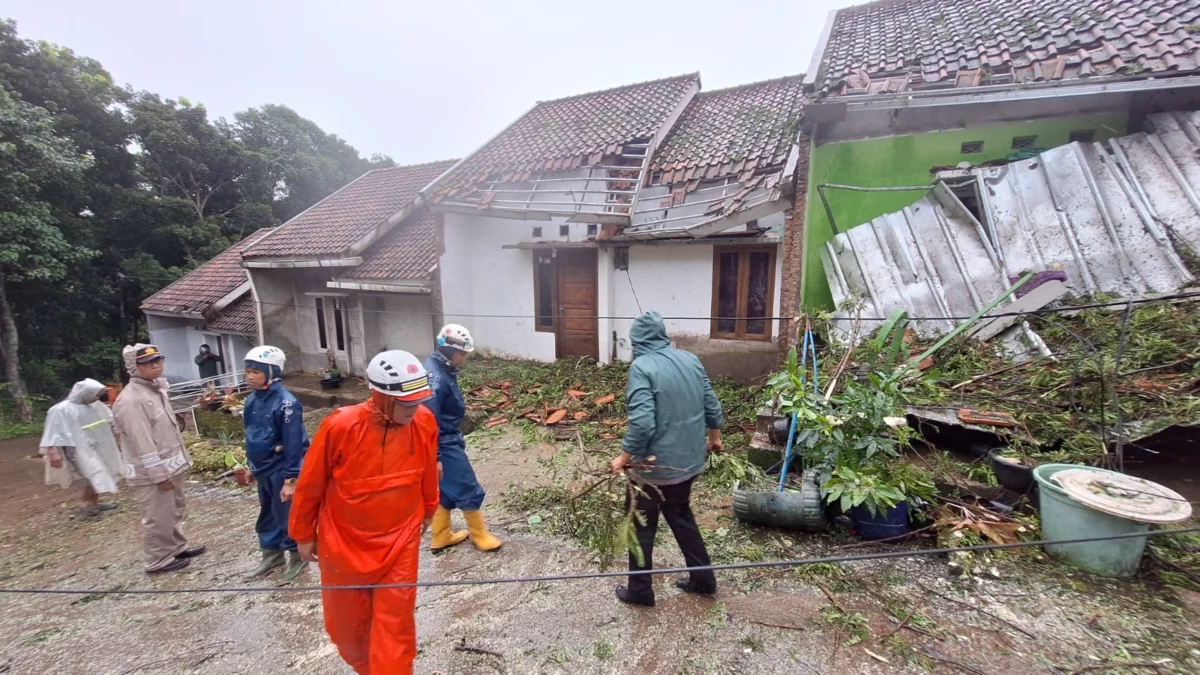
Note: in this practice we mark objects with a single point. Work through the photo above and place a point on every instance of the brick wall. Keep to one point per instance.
(793, 252)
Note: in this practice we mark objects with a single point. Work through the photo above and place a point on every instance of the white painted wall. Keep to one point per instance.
(480, 277)
(674, 280)
(173, 338)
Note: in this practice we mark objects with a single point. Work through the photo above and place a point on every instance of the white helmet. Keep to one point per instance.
(399, 374)
(457, 337)
(272, 356)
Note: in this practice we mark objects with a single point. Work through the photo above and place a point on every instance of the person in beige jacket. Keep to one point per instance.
(155, 458)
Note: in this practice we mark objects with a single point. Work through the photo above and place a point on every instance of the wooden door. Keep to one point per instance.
(578, 328)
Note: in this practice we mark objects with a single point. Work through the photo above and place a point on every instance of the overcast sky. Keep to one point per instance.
(422, 81)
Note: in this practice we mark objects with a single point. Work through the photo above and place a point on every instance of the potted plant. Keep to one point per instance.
(331, 378)
(210, 399)
(241, 473)
(877, 495)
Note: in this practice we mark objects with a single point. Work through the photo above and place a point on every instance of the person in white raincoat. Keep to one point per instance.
(78, 442)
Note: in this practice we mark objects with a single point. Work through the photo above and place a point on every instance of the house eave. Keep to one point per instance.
(174, 315)
(279, 263)
(413, 287)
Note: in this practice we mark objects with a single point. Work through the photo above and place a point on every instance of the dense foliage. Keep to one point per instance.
(107, 194)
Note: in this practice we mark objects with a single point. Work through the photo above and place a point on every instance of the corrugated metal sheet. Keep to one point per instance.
(1114, 216)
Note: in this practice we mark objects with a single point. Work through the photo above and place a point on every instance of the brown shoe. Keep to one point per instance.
(176, 564)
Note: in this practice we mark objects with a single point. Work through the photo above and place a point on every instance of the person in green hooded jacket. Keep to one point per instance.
(675, 420)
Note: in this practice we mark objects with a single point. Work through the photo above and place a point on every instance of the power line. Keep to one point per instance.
(1036, 312)
(801, 562)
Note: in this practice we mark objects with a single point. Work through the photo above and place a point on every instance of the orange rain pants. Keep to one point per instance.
(364, 489)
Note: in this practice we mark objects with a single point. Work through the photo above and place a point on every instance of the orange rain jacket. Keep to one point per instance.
(365, 487)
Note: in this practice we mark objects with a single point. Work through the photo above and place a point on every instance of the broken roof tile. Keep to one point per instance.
(334, 224)
(570, 131)
(886, 46)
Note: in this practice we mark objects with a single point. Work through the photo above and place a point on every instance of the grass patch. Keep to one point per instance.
(218, 425)
(11, 427)
(854, 623)
(604, 650)
(41, 636)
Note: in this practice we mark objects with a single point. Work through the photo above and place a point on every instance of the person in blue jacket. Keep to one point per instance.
(459, 489)
(275, 445)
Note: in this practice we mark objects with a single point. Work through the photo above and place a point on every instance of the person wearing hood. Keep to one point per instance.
(675, 419)
(275, 446)
(367, 492)
(78, 442)
(458, 486)
(155, 458)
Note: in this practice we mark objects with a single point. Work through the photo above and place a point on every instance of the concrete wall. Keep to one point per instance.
(397, 321)
(906, 160)
(276, 298)
(179, 340)
(480, 277)
(676, 280)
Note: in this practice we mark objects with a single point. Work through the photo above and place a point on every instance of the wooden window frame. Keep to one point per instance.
(537, 293)
(743, 292)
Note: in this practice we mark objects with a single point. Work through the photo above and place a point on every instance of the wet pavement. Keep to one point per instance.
(762, 622)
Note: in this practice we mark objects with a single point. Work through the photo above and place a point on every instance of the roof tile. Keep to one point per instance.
(238, 317)
(571, 132)
(334, 224)
(892, 45)
(739, 131)
(197, 290)
(407, 252)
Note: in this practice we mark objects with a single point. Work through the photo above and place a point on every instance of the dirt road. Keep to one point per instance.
(762, 622)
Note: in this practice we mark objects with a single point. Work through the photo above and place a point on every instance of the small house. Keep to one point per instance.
(588, 210)
(211, 305)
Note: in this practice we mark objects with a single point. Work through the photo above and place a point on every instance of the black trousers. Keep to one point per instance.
(674, 502)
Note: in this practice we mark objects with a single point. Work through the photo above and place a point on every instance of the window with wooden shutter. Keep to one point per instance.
(743, 292)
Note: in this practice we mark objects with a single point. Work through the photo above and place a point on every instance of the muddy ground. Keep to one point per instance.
(1038, 617)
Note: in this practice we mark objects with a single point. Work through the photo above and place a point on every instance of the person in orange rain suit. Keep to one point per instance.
(367, 492)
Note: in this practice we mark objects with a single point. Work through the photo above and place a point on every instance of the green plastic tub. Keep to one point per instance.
(1064, 518)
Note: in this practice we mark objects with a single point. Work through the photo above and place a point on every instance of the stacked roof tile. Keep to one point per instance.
(334, 224)
(197, 290)
(734, 132)
(897, 45)
(571, 132)
(407, 252)
(238, 317)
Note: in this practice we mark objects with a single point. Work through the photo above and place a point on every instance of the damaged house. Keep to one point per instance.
(976, 141)
(590, 209)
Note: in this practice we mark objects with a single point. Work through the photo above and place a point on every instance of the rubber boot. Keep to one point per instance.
(271, 558)
(295, 566)
(483, 540)
(443, 537)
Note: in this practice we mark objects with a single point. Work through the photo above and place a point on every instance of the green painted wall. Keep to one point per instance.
(906, 160)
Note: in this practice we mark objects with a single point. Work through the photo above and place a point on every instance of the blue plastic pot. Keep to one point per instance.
(890, 523)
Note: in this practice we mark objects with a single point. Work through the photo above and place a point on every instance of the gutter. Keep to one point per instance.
(295, 264)
(412, 289)
(174, 315)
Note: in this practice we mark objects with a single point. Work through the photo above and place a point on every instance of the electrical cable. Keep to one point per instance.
(801, 562)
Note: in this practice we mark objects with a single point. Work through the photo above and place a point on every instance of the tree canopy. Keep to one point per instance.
(107, 194)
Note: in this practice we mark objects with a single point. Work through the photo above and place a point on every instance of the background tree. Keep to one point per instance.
(32, 248)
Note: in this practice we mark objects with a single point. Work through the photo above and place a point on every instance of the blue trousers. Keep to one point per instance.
(459, 487)
(273, 514)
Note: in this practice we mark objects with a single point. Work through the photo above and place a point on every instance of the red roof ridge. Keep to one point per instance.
(409, 166)
(685, 76)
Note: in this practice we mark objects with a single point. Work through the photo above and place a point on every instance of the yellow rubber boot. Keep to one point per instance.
(443, 536)
(483, 540)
